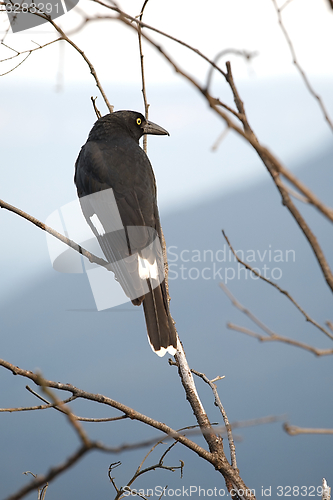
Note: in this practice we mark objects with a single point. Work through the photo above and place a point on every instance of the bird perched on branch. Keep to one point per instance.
(116, 186)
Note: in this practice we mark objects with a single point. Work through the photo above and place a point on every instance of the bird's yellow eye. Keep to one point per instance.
(138, 121)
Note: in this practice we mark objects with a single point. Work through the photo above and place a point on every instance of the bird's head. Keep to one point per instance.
(135, 123)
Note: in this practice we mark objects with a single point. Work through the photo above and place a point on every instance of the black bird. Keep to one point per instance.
(116, 186)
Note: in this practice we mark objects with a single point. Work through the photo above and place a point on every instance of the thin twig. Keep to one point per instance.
(144, 94)
(39, 407)
(15, 67)
(287, 2)
(310, 197)
(51, 474)
(223, 413)
(112, 466)
(28, 52)
(284, 292)
(139, 471)
(97, 111)
(246, 311)
(257, 421)
(293, 430)
(92, 258)
(64, 37)
(82, 54)
(72, 398)
(66, 410)
(299, 67)
(278, 338)
(55, 406)
(330, 325)
(41, 492)
(243, 53)
(220, 138)
(214, 442)
(297, 195)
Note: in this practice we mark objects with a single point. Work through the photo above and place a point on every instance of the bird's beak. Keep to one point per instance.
(153, 129)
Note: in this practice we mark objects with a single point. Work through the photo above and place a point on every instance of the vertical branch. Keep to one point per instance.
(223, 413)
(213, 440)
(145, 139)
(145, 101)
(298, 66)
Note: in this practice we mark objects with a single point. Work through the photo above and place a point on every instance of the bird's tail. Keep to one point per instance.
(160, 328)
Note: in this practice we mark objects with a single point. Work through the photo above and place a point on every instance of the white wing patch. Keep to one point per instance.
(147, 270)
(97, 224)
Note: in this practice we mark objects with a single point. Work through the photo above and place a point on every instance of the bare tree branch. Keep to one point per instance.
(54, 405)
(223, 413)
(270, 335)
(140, 471)
(287, 2)
(41, 492)
(310, 197)
(64, 37)
(299, 67)
(220, 138)
(330, 325)
(64, 409)
(97, 111)
(243, 53)
(275, 285)
(27, 52)
(278, 338)
(144, 93)
(51, 474)
(39, 407)
(293, 430)
(92, 258)
(83, 55)
(213, 456)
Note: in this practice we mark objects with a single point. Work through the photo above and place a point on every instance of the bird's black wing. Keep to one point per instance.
(118, 204)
